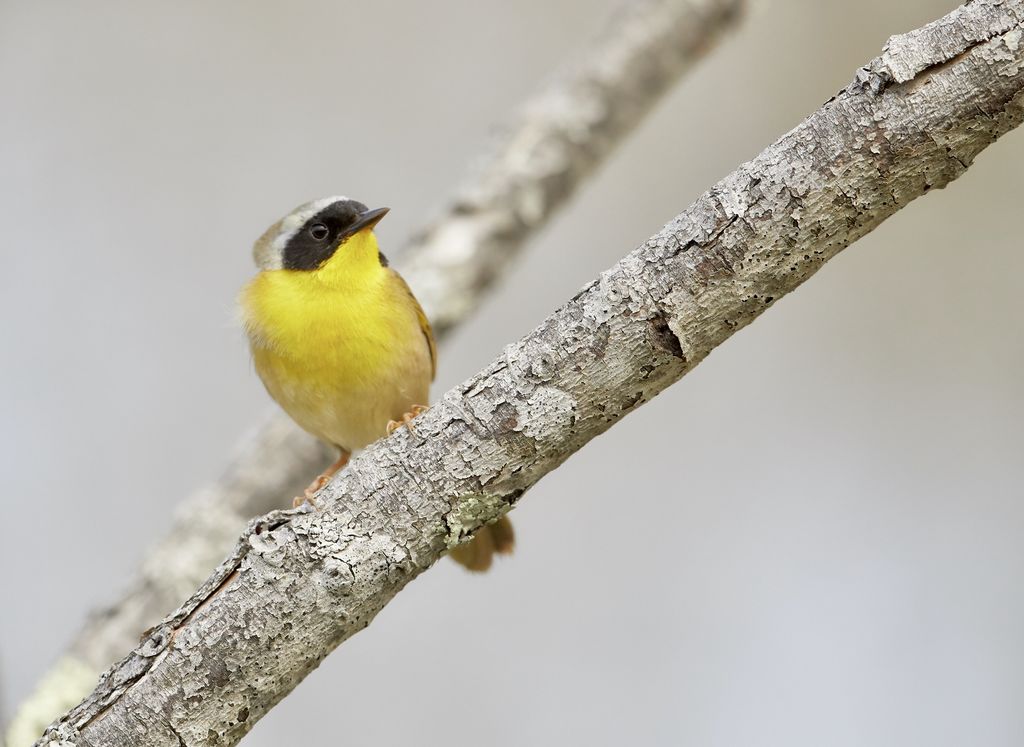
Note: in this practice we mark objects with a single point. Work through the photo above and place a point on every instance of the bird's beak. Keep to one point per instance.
(368, 219)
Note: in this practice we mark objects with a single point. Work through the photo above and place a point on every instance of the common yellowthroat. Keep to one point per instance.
(339, 340)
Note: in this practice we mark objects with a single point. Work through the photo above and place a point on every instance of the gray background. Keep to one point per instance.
(813, 539)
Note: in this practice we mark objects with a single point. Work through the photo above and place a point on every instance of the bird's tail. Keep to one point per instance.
(477, 554)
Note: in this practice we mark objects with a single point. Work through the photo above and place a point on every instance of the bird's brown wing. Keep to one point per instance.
(424, 325)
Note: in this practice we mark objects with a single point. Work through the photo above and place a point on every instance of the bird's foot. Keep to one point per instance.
(414, 411)
(300, 500)
(308, 495)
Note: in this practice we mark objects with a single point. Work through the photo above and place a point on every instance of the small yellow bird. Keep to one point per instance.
(340, 341)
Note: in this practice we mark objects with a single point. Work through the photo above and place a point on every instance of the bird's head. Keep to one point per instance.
(312, 235)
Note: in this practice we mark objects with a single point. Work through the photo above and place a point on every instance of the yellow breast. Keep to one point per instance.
(343, 349)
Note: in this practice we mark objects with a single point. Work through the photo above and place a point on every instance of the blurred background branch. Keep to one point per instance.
(913, 120)
(558, 140)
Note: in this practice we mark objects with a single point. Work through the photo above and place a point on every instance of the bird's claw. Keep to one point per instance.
(308, 495)
(302, 500)
(407, 418)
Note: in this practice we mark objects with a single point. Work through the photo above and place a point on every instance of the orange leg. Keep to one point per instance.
(406, 420)
(319, 482)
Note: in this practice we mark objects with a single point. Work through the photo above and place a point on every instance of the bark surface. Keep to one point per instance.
(559, 138)
(299, 583)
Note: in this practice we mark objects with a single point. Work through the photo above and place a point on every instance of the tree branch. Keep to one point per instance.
(301, 582)
(562, 135)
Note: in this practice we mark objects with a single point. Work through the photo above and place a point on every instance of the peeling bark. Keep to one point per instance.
(301, 582)
(562, 135)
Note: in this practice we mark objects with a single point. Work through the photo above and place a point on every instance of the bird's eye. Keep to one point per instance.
(319, 231)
